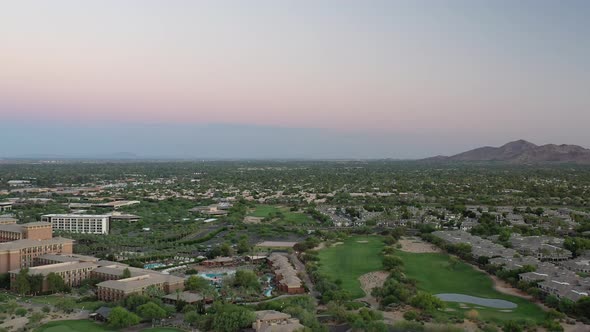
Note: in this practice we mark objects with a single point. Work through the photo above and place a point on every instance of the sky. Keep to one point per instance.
(291, 79)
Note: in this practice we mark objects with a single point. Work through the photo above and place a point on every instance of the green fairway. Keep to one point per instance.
(283, 214)
(73, 326)
(264, 211)
(348, 261)
(436, 274)
(88, 326)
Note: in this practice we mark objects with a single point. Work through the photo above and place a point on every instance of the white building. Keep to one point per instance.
(19, 183)
(5, 206)
(79, 223)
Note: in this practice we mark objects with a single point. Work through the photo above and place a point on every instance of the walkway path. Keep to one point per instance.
(300, 267)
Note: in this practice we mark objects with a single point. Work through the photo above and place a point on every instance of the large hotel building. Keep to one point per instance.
(22, 243)
(32, 246)
(79, 223)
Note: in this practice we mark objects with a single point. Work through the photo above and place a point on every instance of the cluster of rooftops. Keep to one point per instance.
(554, 273)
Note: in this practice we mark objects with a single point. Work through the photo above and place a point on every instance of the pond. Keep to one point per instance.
(492, 303)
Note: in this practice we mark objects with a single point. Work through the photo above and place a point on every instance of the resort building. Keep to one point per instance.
(11, 231)
(72, 273)
(218, 262)
(115, 290)
(62, 258)
(79, 223)
(22, 253)
(275, 321)
(286, 276)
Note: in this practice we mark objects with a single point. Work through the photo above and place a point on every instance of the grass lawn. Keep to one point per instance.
(288, 216)
(264, 210)
(350, 260)
(435, 275)
(88, 326)
(73, 326)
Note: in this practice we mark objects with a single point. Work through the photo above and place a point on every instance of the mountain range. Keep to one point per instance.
(522, 152)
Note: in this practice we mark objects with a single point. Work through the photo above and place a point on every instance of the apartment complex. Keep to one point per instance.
(11, 231)
(79, 223)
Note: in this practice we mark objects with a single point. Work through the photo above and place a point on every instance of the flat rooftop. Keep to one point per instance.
(277, 244)
(26, 243)
(77, 215)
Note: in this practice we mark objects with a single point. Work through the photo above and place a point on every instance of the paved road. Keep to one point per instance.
(300, 267)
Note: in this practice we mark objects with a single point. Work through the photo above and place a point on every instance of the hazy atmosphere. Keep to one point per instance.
(290, 79)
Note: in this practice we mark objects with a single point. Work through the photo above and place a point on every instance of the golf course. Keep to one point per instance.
(350, 259)
(87, 326)
(437, 273)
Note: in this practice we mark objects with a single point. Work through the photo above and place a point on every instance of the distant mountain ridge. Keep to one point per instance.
(523, 152)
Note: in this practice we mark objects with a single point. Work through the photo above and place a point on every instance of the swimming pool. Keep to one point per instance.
(152, 266)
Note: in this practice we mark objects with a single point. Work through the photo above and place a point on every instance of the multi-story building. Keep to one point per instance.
(22, 253)
(72, 273)
(62, 258)
(115, 290)
(79, 223)
(11, 231)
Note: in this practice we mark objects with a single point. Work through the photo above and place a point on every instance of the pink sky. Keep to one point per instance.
(349, 66)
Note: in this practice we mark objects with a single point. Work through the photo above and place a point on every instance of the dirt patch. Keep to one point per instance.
(368, 282)
(320, 246)
(415, 245)
(362, 241)
(252, 220)
(578, 327)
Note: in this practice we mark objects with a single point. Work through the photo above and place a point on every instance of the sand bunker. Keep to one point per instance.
(368, 282)
(417, 246)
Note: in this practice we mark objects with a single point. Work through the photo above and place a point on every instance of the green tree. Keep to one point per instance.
(192, 318)
(226, 250)
(55, 283)
(154, 292)
(135, 300)
(582, 307)
(426, 301)
(151, 311)
(392, 262)
(196, 283)
(231, 317)
(120, 318)
(36, 283)
(5, 280)
(66, 305)
(247, 279)
(243, 246)
(126, 273)
(23, 285)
